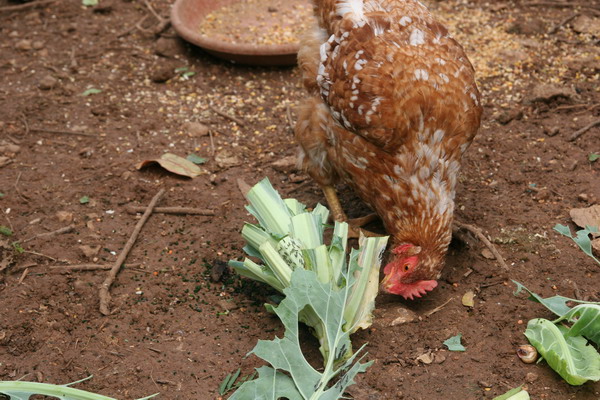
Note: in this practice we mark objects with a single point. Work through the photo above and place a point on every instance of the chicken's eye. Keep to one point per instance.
(406, 267)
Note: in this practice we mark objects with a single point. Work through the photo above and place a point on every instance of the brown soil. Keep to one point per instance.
(178, 325)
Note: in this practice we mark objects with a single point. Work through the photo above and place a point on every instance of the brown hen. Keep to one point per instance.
(393, 107)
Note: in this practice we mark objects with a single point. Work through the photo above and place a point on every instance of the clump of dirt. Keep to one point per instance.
(87, 93)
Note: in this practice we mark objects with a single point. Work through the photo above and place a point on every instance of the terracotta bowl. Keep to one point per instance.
(186, 16)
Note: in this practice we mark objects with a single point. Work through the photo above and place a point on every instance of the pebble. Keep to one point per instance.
(285, 165)
(531, 377)
(47, 82)
(24, 44)
(37, 45)
(195, 129)
(552, 131)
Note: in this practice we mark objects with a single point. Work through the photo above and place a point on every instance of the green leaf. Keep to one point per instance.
(556, 304)
(270, 385)
(187, 74)
(5, 230)
(571, 357)
(586, 318)
(582, 239)
(454, 343)
(2, 195)
(196, 159)
(594, 157)
(514, 394)
(21, 390)
(84, 200)
(88, 3)
(91, 91)
(285, 354)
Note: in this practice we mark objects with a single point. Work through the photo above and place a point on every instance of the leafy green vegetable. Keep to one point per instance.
(21, 390)
(514, 394)
(570, 356)
(556, 304)
(586, 318)
(84, 200)
(290, 238)
(328, 303)
(582, 239)
(454, 343)
(5, 230)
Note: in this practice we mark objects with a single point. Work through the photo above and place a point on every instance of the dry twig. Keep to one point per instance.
(438, 308)
(563, 23)
(25, 199)
(89, 267)
(479, 234)
(229, 117)
(65, 229)
(105, 287)
(583, 130)
(60, 132)
(23, 276)
(172, 210)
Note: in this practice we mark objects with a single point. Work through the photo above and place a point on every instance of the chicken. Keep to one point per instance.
(393, 106)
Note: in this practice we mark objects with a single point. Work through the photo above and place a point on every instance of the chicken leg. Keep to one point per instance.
(339, 215)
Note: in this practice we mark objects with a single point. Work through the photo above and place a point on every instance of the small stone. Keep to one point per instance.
(195, 129)
(169, 47)
(64, 216)
(583, 197)
(586, 24)
(89, 251)
(507, 116)
(24, 45)
(545, 93)
(555, 130)
(572, 166)
(404, 316)
(486, 253)
(285, 165)
(162, 73)
(37, 45)
(126, 175)
(529, 26)
(439, 358)
(48, 82)
(531, 377)
(484, 384)
(226, 159)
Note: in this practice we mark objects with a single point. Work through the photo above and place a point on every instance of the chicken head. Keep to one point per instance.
(402, 275)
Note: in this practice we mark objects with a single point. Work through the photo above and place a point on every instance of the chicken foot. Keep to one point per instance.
(339, 215)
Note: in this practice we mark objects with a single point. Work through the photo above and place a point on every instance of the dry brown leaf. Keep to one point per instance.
(6, 255)
(426, 358)
(175, 164)
(468, 299)
(589, 216)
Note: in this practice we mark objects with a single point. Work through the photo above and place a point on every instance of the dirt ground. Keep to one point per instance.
(180, 322)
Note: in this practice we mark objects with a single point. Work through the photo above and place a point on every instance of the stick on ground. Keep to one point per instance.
(229, 117)
(65, 229)
(172, 210)
(112, 274)
(479, 234)
(583, 130)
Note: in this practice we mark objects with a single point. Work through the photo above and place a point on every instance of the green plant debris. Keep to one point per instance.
(291, 376)
(556, 304)
(196, 159)
(570, 356)
(563, 343)
(514, 394)
(288, 237)
(582, 239)
(454, 343)
(84, 200)
(5, 230)
(593, 157)
(91, 91)
(21, 390)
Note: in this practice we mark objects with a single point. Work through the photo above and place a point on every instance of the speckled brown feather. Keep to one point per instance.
(394, 107)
